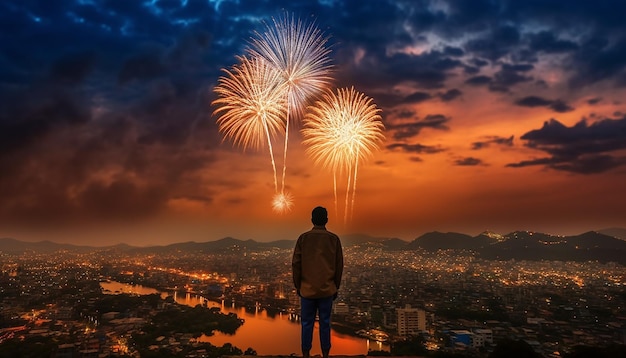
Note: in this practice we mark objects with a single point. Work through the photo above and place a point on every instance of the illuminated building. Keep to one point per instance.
(411, 321)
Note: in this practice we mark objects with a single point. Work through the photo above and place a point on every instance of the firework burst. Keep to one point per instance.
(251, 105)
(298, 51)
(340, 130)
(282, 202)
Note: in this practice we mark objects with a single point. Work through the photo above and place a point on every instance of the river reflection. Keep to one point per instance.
(268, 335)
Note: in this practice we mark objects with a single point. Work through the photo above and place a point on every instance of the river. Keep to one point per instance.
(265, 334)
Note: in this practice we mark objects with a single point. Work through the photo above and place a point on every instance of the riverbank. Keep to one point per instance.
(267, 334)
(253, 306)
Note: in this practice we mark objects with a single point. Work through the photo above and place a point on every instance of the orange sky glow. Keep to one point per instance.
(494, 126)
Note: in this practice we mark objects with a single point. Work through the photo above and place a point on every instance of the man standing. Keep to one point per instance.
(317, 266)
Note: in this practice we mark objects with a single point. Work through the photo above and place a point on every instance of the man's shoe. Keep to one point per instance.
(305, 354)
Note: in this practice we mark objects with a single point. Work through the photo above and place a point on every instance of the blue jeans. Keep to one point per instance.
(309, 307)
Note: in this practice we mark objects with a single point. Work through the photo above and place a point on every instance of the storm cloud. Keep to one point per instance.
(582, 148)
(535, 101)
(406, 130)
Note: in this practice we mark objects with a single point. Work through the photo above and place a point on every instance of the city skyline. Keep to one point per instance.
(498, 116)
(551, 304)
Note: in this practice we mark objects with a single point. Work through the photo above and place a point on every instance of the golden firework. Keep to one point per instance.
(282, 202)
(340, 130)
(251, 105)
(297, 50)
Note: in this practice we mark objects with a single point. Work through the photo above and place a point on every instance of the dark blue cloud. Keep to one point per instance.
(599, 61)
(536, 101)
(479, 80)
(497, 140)
(468, 162)
(453, 51)
(427, 70)
(602, 16)
(142, 67)
(509, 76)
(594, 100)
(73, 68)
(496, 44)
(466, 16)
(546, 41)
(450, 94)
(583, 148)
(407, 130)
(27, 118)
(417, 97)
(416, 148)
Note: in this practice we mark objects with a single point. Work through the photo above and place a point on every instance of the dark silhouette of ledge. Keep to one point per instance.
(319, 355)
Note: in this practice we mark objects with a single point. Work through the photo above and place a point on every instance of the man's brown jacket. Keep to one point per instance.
(317, 263)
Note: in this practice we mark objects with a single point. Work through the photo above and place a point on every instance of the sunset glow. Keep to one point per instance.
(159, 122)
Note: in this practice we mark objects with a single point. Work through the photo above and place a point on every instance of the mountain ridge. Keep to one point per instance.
(522, 245)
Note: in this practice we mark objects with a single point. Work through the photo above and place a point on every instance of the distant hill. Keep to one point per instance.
(450, 240)
(218, 246)
(526, 245)
(536, 246)
(13, 246)
(363, 239)
(617, 232)
(394, 244)
(519, 245)
(366, 241)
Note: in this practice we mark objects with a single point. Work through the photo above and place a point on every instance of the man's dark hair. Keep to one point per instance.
(319, 216)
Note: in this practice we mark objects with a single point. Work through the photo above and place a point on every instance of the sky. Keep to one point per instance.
(498, 115)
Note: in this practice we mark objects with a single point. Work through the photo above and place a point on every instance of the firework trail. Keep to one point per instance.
(251, 105)
(340, 130)
(298, 52)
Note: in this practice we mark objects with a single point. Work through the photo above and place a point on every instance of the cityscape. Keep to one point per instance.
(79, 301)
(158, 159)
